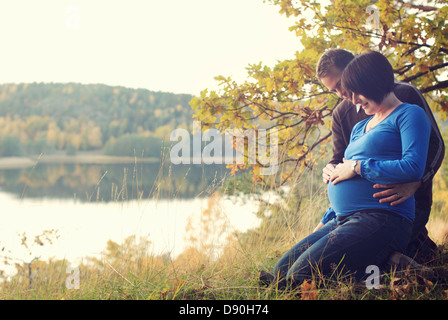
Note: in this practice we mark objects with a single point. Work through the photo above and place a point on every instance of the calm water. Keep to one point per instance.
(71, 211)
(113, 182)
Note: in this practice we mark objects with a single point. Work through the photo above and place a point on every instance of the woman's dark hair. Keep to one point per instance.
(369, 74)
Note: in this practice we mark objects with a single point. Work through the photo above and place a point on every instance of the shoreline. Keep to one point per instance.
(28, 162)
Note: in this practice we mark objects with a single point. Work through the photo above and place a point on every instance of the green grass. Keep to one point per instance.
(194, 277)
(127, 271)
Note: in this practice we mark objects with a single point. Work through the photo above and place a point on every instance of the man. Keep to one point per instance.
(346, 115)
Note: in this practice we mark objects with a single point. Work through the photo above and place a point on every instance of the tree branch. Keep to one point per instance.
(404, 69)
(302, 157)
(416, 6)
(418, 75)
(440, 85)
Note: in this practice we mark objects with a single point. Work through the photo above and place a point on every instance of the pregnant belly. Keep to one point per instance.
(352, 195)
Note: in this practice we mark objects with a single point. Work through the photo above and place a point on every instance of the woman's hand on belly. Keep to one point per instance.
(343, 171)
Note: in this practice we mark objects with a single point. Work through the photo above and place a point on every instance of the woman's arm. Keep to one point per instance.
(415, 128)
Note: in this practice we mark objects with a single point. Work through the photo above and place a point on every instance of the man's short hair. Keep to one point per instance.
(332, 58)
(369, 74)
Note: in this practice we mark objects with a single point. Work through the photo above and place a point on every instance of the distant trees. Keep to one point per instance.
(40, 134)
(48, 117)
(133, 145)
(10, 146)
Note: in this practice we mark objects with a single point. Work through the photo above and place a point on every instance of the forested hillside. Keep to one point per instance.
(46, 117)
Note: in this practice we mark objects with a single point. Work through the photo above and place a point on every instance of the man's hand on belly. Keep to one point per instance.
(396, 193)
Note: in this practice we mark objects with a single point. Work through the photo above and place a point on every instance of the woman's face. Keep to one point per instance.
(370, 107)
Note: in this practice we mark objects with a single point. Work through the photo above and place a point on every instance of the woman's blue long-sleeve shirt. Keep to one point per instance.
(392, 152)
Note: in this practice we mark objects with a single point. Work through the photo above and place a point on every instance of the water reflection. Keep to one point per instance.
(73, 230)
(80, 206)
(113, 182)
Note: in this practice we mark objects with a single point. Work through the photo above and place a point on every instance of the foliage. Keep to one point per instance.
(48, 116)
(133, 145)
(10, 146)
(286, 97)
(289, 98)
(207, 270)
(128, 270)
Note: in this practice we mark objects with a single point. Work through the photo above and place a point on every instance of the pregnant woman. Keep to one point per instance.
(387, 148)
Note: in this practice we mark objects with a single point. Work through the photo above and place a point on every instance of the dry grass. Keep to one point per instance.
(129, 271)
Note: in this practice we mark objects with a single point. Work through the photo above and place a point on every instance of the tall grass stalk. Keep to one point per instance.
(128, 270)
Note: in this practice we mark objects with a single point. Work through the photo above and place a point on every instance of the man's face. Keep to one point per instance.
(333, 83)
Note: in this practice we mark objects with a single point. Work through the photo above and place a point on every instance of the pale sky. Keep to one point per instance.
(175, 46)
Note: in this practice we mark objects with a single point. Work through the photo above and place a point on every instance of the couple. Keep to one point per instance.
(385, 154)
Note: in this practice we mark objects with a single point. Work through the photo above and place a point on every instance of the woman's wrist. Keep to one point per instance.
(356, 167)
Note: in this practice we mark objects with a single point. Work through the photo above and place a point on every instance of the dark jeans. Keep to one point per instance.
(351, 244)
(421, 247)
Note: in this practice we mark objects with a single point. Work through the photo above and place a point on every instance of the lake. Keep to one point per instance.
(70, 211)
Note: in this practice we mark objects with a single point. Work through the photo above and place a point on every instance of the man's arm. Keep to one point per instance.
(340, 136)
